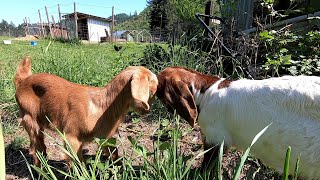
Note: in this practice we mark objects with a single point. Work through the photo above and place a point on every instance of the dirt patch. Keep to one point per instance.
(27, 38)
(144, 131)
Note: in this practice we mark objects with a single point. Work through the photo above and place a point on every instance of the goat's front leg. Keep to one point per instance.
(36, 136)
(210, 156)
(76, 145)
(112, 153)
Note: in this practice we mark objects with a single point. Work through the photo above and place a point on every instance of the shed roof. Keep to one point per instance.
(81, 15)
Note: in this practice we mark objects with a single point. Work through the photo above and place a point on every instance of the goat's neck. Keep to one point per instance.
(203, 88)
(114, 99)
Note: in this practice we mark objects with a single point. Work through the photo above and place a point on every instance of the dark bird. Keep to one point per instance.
(117, 48)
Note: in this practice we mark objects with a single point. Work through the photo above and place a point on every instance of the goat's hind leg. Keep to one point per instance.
(36, 136)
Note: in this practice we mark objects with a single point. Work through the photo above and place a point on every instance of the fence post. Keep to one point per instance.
(75, 19)
(54, 26)
(60, 21)
(208, 11)
(31, 27)
(27, 26)
(41, 26)
(112, 25)
(48, 20)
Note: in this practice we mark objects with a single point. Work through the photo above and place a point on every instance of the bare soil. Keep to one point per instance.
(190, 142)
(27, 38)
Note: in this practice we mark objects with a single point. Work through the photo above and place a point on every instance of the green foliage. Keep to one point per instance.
(287, 164)
(122, 17)
(185, 10)
(138, 22)
(159, 16)
(18, 142)
(285, 175)
(159, 56)
(246, 153)
(165, 161)
(296, 169)
(88, 64)
(289, 53)
(9, 29)
(97, 64)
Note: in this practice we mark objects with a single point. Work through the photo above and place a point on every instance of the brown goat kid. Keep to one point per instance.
(81, 112)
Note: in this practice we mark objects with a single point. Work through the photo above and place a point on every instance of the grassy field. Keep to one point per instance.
(146, 154)
(93, 64)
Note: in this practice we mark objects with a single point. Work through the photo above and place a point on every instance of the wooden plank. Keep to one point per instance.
(112, 25)
(48, 20)
(27, 26)
(75, 19)
(41, 25)
(285, 22)
(60, 21)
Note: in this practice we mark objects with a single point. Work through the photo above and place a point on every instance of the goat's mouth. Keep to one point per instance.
(140, 111)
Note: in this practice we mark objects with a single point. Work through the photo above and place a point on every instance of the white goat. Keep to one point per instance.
(235, 111)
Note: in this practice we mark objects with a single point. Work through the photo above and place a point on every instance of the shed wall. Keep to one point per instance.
(97, 29)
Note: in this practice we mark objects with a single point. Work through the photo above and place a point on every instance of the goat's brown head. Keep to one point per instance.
(143, 88)
(175, 90)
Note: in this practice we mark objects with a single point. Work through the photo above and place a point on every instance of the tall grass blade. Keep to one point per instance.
(28, 165)
(47, 173)
(259, 134)
(219, 166)
(245, 155)
(287, 164)
(192, 160)
(296, 169)
(47, 48)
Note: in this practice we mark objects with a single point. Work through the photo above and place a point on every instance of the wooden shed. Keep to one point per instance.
(90, 27)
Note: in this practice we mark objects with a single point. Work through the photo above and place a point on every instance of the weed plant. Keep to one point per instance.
(165, 161)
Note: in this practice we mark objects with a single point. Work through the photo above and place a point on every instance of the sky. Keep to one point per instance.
(17, 10)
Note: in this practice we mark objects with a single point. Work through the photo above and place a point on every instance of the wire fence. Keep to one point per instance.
(73, 20)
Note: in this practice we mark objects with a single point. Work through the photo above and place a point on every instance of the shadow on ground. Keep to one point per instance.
(17, 160)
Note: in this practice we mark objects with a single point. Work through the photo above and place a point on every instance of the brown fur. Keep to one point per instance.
(175, 90)
(81, 112)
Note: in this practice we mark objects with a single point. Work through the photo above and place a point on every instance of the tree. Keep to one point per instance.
(185, 10)
(5, 28)
(158, 17)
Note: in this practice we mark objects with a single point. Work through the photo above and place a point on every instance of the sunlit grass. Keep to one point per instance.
(96, 65)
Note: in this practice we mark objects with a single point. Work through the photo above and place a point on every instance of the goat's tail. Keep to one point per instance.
(23, 71)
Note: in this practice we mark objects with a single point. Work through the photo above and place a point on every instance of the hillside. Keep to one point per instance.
(137, 22)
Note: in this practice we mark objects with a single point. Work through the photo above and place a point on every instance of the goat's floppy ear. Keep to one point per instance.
(180, 98)
(140, 90)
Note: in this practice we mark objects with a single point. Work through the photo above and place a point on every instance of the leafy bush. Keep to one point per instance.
(289, 53)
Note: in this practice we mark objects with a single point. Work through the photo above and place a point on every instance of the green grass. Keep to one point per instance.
(89, 64)
(96, 65)
(165, 161)
(18, 142)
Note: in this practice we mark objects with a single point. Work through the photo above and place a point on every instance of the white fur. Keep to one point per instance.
(92, 108)
(237, 113)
